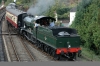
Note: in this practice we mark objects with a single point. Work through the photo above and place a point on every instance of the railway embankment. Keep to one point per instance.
(90, 55)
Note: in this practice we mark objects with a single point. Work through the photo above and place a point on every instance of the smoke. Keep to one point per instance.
(40, 7)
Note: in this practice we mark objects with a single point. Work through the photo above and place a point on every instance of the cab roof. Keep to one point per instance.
(43, 17)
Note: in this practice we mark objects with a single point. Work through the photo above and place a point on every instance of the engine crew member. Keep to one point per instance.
(36, 24)
(52, 24)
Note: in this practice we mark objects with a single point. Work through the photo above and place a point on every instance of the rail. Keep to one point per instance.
(12, 43)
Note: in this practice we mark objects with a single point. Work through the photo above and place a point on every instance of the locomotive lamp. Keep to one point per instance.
(69, 46)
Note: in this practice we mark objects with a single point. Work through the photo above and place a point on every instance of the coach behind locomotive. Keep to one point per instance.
(14, 16)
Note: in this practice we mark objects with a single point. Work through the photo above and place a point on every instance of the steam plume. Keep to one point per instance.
(40, 7)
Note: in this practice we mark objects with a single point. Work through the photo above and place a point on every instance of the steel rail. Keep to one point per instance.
(12, 43)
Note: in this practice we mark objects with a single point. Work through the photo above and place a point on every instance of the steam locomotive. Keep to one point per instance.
(57, 41)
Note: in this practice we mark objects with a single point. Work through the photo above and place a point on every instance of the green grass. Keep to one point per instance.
(90, 54)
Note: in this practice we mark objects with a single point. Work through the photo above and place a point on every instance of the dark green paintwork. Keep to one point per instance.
(73, 41)
(46, 35)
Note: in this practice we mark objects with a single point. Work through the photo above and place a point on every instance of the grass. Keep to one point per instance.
(90, 54)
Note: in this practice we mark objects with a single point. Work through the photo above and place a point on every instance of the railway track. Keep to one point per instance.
(13, 46)
(2, 51)
(27, 49)
(15, 49)
(23, 50)
(38, 52)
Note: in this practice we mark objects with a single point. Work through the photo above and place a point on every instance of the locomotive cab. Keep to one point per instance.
(44, 21)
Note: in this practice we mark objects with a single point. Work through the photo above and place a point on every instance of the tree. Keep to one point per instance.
(87, 22)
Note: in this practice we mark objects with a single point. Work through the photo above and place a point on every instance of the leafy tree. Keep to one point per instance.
(87, 22)
(60, 8)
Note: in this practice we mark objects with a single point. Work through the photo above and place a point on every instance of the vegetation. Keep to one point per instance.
(87, 22)
(89, 54)
(61, 7)
(62, 12)
(0, 1)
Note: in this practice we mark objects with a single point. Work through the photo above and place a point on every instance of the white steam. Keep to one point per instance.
(14, 0)
(40, 7)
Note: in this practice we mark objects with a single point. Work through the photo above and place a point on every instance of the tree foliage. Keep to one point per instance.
(87, 22)
(61, 9)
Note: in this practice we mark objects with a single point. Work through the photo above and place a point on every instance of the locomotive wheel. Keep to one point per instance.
(57, 57)
(24, 35)
(36, 44)
(79, 54)
(42, 47)
(73, 58)
(45, 48)
(50, 52)
(39, 45)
